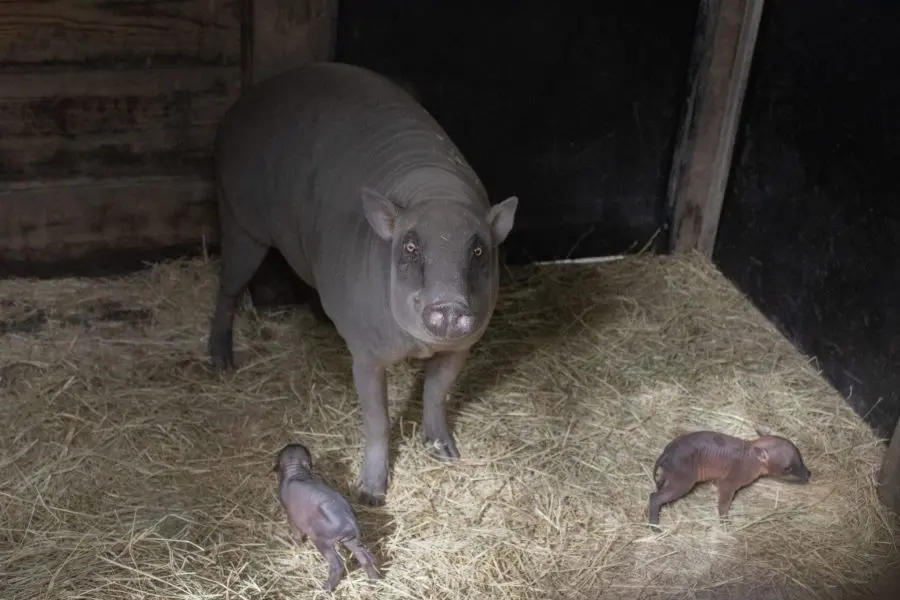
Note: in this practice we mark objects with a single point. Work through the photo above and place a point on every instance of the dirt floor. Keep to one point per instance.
(129, 470)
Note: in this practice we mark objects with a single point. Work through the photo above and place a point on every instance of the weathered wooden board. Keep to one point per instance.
(720, 65)
(108, 113)
(77, 219)
(282, 34)
(111, 123)
(889, 475)
(119, 33)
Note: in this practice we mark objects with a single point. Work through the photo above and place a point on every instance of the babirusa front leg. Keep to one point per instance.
(370, 379)
(441, 373)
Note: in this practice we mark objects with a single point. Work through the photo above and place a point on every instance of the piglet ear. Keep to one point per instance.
(501, 217)
(380, 212)
(762, 454)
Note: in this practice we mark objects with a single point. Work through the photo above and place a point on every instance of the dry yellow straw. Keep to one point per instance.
(128, 470)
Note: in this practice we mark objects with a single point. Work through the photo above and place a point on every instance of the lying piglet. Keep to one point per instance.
(317, 511)
(727, 462)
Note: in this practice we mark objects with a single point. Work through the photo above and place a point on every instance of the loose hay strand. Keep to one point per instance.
(129, 470)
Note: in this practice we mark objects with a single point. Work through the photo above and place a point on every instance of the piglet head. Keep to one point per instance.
(781, 459)
(294, 459)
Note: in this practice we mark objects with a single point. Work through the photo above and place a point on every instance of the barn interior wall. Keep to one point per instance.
(108, 112)
(810, 227)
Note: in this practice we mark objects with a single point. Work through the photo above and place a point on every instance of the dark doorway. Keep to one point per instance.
(572, 106)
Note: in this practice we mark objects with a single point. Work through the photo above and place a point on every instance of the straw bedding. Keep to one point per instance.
(129, 470)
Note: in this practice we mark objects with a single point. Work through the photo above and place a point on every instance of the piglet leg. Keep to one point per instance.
(363, 556)
(441, 373)
(299, 536)
(726, 496)
(334, 565)
(370, 379)
(669, 491)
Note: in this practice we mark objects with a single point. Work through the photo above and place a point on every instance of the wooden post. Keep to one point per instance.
(889, 477)
(276, 36)
(282, 34)
(720, 64)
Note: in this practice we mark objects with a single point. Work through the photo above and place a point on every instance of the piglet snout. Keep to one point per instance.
(448, 320)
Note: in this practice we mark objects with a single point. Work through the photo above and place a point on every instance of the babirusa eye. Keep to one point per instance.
(410, 246)
(477, 251)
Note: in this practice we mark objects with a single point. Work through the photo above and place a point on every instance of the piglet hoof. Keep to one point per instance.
(370, 497)
(372, 573)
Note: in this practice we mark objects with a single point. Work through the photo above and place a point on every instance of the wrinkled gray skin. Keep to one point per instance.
(728, 462)
(317, 511)
(374, 207)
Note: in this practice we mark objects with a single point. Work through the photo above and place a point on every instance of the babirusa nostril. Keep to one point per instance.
(448, 320)
(464, 323)
(435, 318)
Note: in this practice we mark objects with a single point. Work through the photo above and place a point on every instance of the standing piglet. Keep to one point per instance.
(727, 462)
(373, 207)
(317, 511)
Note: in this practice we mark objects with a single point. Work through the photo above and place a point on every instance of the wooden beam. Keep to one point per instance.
(889, 477)
(76, 220)
(103, 34)
(720, 65)
(283, 34)
(111, 123)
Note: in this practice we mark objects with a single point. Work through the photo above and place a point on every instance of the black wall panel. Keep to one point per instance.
(810, 229)
(572, 105)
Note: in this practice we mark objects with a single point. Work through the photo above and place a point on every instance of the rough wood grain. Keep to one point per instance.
(111, 123)
(280, 35)
(720, 65)
(119, 33)
(287, 33)
(889, 477)
(75, 219)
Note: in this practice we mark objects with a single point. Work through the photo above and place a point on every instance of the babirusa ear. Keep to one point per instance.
(380, 212)
(762, 454)
(501, 218)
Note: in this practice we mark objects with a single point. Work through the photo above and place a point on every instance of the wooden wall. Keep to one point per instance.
(108, 111)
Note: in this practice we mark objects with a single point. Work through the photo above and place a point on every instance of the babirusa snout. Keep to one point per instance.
(448, 320)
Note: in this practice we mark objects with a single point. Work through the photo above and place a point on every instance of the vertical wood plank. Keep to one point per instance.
(889, 477)
(720, 65)
(279, 35)
(284, 34)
